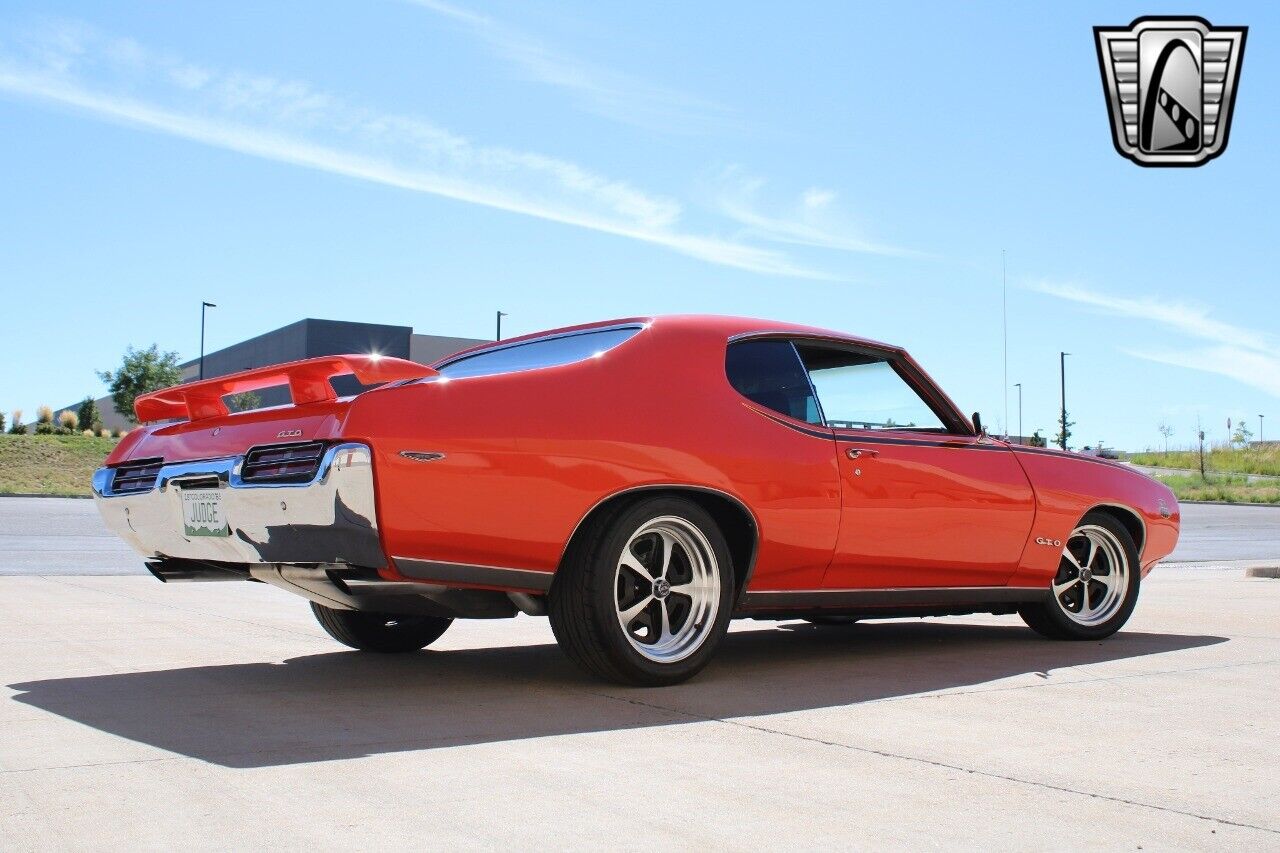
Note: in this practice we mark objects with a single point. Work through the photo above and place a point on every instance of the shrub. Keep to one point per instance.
(44, 415)
(18, 427)
(68, 420)
(103, 432)
(88, 414)
(1, 421)
(45, 428)
(88, 433)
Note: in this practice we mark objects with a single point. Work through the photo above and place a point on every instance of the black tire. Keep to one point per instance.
(1053, 618)
(584, 599)
(832, 621)
(387, 633)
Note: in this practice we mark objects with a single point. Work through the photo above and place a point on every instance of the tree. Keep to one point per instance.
(1036, 440)
(244, 401)
(1064, 431)
(1167, 431)
(1243, 435)
(141, 372)
(88, 415)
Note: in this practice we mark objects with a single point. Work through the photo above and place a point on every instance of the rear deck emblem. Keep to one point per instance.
(1170, 85)
(289, 433)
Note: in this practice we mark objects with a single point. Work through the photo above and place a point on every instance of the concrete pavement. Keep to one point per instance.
(217, 716)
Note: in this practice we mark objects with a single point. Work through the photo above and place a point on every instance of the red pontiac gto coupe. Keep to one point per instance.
(641, 482)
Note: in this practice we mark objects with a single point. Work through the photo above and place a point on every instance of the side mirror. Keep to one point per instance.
(977, 424)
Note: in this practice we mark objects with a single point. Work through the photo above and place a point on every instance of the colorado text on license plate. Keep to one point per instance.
(202, 513)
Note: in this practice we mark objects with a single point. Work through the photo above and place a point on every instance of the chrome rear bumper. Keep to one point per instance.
(329, 519)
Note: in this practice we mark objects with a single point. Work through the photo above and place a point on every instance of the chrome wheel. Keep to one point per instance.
(667, 589)
(1093, 577)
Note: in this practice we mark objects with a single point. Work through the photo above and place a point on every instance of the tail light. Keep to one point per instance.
(134, 477)
(283, 463)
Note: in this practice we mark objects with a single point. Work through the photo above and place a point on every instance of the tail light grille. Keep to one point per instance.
(135, 477)
(283, 463)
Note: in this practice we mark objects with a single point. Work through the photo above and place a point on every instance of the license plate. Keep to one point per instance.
(202, 513)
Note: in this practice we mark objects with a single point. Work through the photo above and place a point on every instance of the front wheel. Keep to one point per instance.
(646, 596)
(380, 632)
(1096, 587)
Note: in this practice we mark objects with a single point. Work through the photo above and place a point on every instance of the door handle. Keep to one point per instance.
(860, 452)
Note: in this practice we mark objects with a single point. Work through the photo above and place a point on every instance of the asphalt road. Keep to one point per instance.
(64, 536)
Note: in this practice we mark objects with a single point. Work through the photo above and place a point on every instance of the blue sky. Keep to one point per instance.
(424, 163)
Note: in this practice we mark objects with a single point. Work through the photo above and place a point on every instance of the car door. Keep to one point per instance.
(924, 502)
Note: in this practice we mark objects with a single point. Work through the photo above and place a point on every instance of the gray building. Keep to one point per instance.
(307, 339)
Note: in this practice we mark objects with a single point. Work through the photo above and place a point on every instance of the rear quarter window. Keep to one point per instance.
(770, 373)
(541, 352)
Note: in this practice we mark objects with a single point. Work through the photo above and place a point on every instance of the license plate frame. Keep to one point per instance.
(202, 513)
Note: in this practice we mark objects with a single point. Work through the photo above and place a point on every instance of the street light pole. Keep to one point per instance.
(498, 334)
(203, 306)
(1062, 368)
(1018, 385)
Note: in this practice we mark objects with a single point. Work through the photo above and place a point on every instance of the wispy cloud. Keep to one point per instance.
(1245, 355)
(811, 220)
(612, 94)
(1257, 369)
(290, 122)
(1190, 319)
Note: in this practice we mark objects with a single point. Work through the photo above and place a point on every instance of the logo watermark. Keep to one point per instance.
(1170, 85)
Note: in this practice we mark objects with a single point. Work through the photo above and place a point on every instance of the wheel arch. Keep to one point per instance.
(1131, 520)
(737, 523)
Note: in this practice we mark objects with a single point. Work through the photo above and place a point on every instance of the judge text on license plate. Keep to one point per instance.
(202, 513)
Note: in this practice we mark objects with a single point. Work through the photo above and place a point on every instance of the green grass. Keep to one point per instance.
(1232, 488)
(50, 464)
(1223, 459)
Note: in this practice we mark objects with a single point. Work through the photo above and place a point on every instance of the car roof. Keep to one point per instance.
(716, 325)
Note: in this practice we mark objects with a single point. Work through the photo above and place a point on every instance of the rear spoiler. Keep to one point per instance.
(308, 382)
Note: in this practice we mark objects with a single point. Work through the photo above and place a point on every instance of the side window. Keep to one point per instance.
(863, 391)
(546, 352)
(769, 372)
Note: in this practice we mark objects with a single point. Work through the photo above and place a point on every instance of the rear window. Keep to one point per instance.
(543, 352)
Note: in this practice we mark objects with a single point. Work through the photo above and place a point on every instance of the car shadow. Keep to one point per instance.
(346, 704)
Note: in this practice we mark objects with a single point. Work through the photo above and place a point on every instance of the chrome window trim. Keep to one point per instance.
(813, 389)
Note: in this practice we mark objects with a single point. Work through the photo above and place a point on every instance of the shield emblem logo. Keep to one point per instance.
(1170, 85)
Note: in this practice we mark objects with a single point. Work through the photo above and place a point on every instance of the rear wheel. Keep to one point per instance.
(380, 632)
(1096, 587)
(646, 596)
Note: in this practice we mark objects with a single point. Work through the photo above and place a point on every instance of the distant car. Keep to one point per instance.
(642, 482)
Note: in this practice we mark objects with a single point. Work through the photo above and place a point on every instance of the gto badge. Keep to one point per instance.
(1170, 86)
(289, 433)
(1056, 543)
